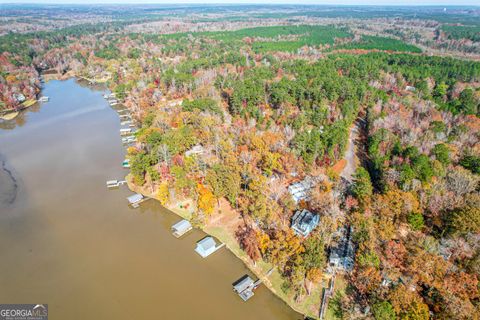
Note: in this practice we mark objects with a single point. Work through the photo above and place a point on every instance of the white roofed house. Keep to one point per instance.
(342, 255)
(196, 149)
(304, 222)
(300, 191)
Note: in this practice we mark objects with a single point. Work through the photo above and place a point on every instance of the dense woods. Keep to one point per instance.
(231, 119)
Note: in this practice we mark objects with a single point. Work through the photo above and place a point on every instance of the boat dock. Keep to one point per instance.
(129, 139)
(126, 131)
(207, 246)
(244, 287)
(180, 228)
(136, 199)
(115, 183)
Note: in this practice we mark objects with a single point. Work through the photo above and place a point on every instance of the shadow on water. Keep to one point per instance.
(8, 184)
(21, 119)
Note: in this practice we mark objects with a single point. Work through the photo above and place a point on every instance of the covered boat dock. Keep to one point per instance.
(181, 227)
(207, 246)
(244, 287)
(136, 199)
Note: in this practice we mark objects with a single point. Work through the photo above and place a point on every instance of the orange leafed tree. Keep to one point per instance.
(206, 199)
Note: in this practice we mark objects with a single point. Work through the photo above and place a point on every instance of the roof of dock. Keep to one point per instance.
(135, 198)
(182, 225)
(243, 284)
(207, 243)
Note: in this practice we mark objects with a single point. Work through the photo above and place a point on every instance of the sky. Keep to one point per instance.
(330, 2)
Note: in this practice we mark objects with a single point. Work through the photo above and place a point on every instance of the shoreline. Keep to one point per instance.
(272, 280)
(261, 269)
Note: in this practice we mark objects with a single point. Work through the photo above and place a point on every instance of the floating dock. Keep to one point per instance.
(182, 227)
(115, 183)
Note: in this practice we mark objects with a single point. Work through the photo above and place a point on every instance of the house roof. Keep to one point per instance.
(303, 222)
(197, 149)
(301, 189)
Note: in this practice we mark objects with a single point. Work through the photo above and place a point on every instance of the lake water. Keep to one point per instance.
(67, 241)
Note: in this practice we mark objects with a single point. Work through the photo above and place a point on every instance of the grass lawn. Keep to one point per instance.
(340, 287)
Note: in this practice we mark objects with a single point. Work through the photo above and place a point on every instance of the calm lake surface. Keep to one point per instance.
(67, 241)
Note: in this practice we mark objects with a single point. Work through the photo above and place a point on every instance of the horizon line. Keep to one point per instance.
(221, 3)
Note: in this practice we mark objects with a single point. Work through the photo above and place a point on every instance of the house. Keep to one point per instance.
(174, 103)
(303, 222)
(181, 227)
(342, 255)
(19, 97)
(300, 191)
(197, 149)
(410, 88)
(207, 246)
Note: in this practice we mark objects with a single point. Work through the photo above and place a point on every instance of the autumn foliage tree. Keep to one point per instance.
(206, 199)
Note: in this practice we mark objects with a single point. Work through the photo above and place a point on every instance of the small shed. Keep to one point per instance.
(206, 247)
(135, 200)
(181, 227)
